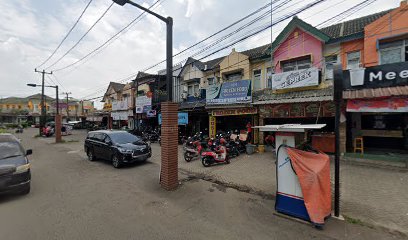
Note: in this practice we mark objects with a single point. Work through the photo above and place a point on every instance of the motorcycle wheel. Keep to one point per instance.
(206, 161)
(187, 157)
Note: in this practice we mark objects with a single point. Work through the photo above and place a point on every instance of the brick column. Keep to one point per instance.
(169, 146)
(58, 120)
(261, 134)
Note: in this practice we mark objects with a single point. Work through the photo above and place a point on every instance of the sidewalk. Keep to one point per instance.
(372, 196)
(369, 195)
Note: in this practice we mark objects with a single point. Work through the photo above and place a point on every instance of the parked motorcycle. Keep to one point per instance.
(219, 155)
(193, 153)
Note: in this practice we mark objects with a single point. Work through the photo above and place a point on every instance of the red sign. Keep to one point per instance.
(237, 111)
(378, 105)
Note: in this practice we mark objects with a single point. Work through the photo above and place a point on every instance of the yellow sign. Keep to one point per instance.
(237, 111)
(213, 127)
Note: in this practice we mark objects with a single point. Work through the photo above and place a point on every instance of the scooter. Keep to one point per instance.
(220, 155)
(192, 153)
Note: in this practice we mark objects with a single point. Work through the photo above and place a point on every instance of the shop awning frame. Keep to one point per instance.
(289, 127)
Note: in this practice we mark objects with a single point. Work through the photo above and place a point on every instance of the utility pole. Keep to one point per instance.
(67, 98)
(42, 119)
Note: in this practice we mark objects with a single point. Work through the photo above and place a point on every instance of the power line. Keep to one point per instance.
(83, 36)
(66, 36)
(223, 37)
(106, 42)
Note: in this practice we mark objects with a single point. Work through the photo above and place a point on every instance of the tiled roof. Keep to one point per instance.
(353, 26)
(266, 96)
(256, 52)
(116, 86)
(376, 92)
(14, 100)
(211, 64)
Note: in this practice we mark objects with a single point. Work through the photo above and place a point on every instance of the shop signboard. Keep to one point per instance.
(182, 118)
(229, 93)
(237, 111)
(143, 104)
(123, 115)
(387, 75)
(151, 113)
(119, 105)
(295, 79)
(378, 105)
(213, 126)
(297, 110)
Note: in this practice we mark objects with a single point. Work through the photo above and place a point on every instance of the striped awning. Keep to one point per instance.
(376, 92)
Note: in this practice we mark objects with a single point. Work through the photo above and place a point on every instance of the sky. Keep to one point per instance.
(30, 30)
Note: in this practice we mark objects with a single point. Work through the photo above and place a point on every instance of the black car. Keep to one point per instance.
(119, 147)
(15, 173)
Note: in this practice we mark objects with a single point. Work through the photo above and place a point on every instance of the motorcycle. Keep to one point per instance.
(191, 153)
(219, 155)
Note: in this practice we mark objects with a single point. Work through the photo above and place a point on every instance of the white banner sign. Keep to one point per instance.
(294, 79)
(142, 103)
(119, 105)
(119, 115)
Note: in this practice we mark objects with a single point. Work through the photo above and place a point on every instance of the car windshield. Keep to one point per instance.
(124, 137)
(10, 149)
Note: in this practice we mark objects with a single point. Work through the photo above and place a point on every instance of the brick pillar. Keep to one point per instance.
(58, 120)
(261, 134)
(169, 146)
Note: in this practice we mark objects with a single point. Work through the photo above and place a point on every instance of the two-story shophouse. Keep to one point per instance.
(376, 87)
(300, 90)
(116, 113)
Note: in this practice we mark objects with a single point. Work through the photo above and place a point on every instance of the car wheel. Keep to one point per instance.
(91, 156)
(116, 161)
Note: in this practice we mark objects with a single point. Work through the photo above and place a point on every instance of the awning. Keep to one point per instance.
(378, 105)
(289, 127)
(267, 96)
(376, 92)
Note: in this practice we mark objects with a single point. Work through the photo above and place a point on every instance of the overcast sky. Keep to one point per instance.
(30, 30)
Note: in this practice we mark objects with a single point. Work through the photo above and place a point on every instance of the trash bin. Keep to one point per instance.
(250, 149)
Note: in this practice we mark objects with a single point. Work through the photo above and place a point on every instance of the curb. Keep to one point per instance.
(359, 162)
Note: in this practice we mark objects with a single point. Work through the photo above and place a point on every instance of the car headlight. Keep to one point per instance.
(122, 150)
(22, 168)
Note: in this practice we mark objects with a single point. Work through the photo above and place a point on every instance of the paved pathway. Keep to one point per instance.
(376, 196)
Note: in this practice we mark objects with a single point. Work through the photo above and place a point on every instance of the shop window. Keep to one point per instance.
(393, 52)
(297, 64)
(329, 63)
(193, 90)
(257, 74)
(269, 73)
(233, 77)
(353, 60)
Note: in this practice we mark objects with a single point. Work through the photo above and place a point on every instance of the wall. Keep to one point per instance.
(352, 46)
(263, 65)
(298, 46)
(191, 72)
(394, 23)
(234, 62)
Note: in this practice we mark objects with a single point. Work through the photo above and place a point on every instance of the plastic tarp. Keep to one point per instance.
(313, 171)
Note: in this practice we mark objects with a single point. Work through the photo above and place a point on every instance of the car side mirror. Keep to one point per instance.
(29, 152)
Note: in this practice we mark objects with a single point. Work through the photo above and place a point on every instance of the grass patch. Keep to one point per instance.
(3, 131)
(357, 221)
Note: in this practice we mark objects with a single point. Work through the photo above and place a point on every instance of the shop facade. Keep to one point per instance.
(377, 107)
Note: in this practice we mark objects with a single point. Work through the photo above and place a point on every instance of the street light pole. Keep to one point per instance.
(169, 159)
(42, 119)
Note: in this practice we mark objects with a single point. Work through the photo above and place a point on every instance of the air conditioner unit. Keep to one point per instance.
(184, 95)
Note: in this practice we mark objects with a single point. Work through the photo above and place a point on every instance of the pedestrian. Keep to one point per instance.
(249, 132)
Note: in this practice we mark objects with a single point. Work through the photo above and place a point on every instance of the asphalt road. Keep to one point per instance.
(72, 198)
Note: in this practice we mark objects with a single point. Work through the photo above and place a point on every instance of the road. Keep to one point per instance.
(72, 198)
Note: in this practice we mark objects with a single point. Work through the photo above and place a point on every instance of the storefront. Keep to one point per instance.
(377, 107)
(229, 107)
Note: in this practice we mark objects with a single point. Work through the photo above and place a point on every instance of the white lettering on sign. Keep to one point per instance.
(390, 75)
(404, 74)
(374, 76)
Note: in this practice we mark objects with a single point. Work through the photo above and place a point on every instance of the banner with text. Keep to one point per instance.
(295, 79)
(229, 93)
(143, 104)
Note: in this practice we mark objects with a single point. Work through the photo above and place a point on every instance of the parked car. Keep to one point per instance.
(15, 173)
(119, 147)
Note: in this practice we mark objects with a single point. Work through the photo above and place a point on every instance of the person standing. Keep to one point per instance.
(249, 131)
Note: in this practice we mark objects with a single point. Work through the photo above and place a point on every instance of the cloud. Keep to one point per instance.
(30, 31)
